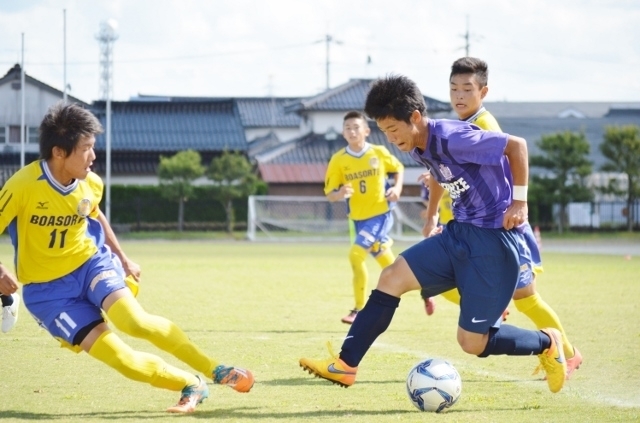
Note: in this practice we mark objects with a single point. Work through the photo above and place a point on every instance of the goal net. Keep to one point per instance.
(308, 218)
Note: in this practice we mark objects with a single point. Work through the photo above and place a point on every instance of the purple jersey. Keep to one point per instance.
(469, 163)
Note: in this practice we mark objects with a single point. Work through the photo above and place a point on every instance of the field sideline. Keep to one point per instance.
(264, 306)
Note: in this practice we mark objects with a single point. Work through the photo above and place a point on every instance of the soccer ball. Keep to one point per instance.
(433, 385)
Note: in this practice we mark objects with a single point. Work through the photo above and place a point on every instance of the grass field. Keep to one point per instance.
(264, 306)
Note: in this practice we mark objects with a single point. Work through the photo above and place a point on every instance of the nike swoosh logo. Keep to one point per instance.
(332, 369)
(477, 321)
(351, 336)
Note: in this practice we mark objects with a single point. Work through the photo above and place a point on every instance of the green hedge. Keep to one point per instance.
(141, 205)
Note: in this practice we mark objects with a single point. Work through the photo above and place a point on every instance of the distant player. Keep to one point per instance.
(468, 87)
(73, 268)
(358, 174)
(486, 174)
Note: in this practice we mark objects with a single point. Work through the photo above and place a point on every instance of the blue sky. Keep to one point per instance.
(542, 50)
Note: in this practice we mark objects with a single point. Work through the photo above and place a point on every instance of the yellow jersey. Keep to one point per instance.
(366, 172)
(53, 227)
(484, 120)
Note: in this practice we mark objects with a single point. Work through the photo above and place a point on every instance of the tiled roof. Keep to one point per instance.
(14, 75)
(314, 148)
(351, 96)
(554, 109)
(267, 112)
(260, 112)
(262, 144)
(172, 126)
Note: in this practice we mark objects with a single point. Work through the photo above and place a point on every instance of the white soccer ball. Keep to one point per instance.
(434, 385)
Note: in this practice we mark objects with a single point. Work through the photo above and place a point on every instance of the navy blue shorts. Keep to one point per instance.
(483, 264)
(66, 305)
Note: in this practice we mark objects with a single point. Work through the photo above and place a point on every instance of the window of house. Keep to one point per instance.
(14, 134)
(33, 135)
(3, 136)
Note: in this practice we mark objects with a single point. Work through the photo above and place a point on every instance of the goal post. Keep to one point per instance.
(282, 218)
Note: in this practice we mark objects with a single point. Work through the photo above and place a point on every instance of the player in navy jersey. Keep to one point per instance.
(486, 174)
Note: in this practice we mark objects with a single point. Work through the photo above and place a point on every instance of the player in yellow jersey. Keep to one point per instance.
(72, 267)
(468, 87)
(358, 174)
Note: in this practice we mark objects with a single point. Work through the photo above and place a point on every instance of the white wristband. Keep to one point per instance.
(520, 192)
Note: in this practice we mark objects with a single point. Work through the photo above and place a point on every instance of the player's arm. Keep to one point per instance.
(9, 204)
(130, 267)
(517, 153)
(393, 193)
(431, 214)
(8, 282)
(334, 190)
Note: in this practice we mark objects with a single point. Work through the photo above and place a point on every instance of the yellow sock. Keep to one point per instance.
(452, 295)
(129, 316)
(385, 258)
(139, 366)
(357, 257)
(543, 316)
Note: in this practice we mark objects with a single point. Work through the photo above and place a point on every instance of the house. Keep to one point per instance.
(289, 139)
(38, 98)
(298, 167)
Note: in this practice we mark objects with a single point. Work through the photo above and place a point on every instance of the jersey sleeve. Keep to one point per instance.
(97, 188)
(478, 146)
(391, 162)
(333, 177)
(9, 204)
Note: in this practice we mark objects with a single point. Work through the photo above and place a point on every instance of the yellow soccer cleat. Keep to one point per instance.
(332, 369)
(552, 361)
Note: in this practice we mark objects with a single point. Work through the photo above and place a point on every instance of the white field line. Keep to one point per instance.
(591, 395)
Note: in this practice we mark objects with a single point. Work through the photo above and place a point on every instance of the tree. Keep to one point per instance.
(232, 177)
(621, 148)
(177, 174)
(565, 156)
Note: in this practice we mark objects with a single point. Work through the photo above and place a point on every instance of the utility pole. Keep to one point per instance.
(328, 40)
(466, 39)
(64, 55)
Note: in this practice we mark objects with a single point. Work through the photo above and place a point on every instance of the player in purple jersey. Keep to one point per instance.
(476, 253)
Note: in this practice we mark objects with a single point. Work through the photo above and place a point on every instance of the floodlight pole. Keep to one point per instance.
(106, 37)
(22, 106)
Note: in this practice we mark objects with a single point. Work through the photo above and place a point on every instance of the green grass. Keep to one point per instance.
(264, 306)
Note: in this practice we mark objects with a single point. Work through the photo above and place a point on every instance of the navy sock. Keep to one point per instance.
(7, 300)
(511, 340)
(372, 320)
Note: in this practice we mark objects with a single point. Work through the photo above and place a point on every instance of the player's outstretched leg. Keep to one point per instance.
(128, 316)
(239, 379)
(332, 369)
(190, 397)
(552, 361)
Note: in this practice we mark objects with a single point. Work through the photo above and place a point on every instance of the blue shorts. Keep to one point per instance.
(371, 231)
(483, 264)
(529, 252)
(66, 305)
